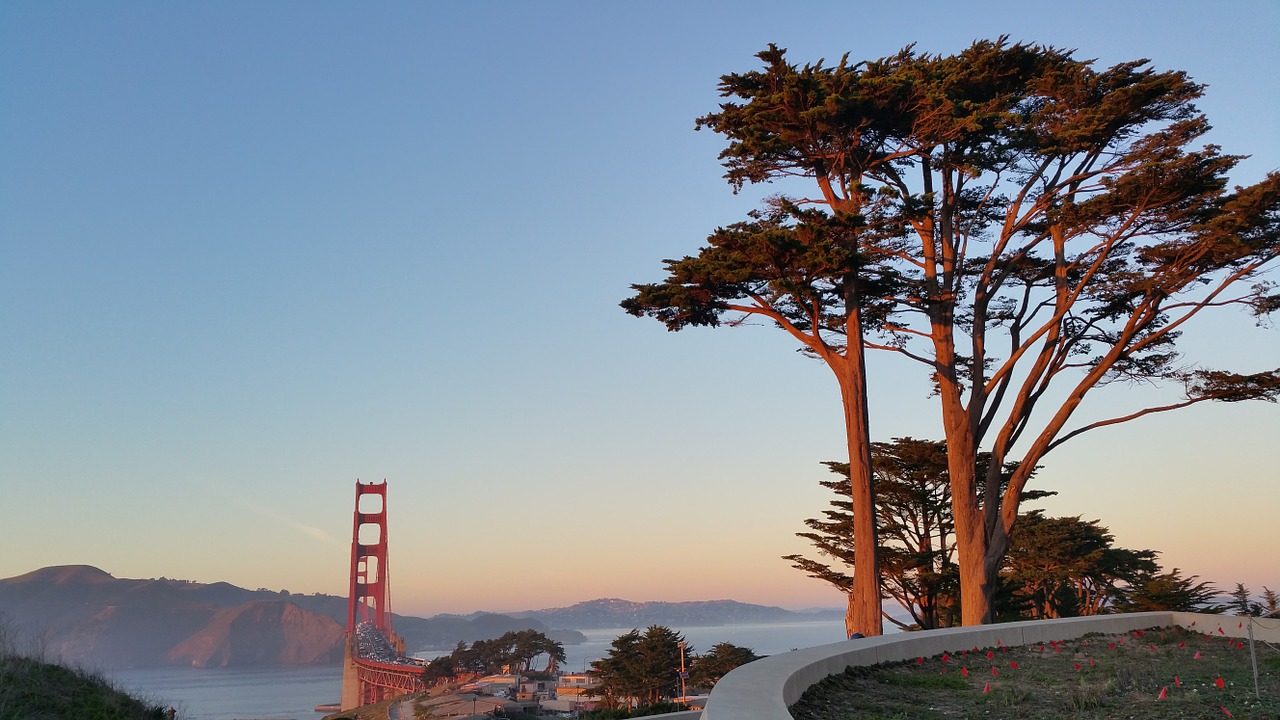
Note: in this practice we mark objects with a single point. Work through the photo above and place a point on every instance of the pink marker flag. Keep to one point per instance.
(1221, 631)
(1219, 683)
(994, 671)
(1013, 665)
(945, 658)
(1182, 644)
(986, 688)
(1193, 623)
(1197, 656)
(1077, 666)
(964, 672)
(991, 654)
(1176, 681)
(1163, 693)
(1225, 710)
(920, 660)
(1090, 662)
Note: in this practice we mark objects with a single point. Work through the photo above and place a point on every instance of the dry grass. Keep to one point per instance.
(1097, 676)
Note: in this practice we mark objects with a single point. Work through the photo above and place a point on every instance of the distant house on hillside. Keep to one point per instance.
(572, 694)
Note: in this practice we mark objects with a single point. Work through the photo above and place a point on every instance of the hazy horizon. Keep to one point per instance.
(253, 253)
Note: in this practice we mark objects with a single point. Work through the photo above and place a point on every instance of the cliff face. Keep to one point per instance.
(262, 633)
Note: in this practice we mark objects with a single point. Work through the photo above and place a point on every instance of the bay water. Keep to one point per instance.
(278, 693)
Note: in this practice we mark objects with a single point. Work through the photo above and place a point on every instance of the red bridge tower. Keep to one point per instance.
(369, 676)
(370, 596)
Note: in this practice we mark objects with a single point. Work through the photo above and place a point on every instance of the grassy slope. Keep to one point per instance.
(35, 690)
(1098, 676)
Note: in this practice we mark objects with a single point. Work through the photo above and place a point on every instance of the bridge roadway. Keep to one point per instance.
(376, 670)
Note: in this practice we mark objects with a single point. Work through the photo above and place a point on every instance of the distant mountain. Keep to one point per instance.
(617, 613)
(84, 615)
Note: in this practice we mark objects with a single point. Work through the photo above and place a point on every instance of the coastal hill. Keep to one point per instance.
(84, 615)
(617, 613)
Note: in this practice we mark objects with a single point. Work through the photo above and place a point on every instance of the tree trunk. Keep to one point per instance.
(863, 614)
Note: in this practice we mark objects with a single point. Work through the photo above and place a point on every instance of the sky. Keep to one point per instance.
(253, 253)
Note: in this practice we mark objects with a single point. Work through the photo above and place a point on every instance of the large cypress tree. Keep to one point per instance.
(1025, 226)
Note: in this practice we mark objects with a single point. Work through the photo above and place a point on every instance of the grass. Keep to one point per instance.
(1097, 676)
(33, 689)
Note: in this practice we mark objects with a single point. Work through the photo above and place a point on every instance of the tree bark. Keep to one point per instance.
(863, 614)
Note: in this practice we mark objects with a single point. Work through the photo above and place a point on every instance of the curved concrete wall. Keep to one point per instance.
(763, 690)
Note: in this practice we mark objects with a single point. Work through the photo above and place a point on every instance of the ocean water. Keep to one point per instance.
(235, 693)
(282, 693)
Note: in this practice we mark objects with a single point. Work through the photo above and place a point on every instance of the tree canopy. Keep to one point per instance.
(513, 651)
(1026, 227)
(641, 667)
(707, 669)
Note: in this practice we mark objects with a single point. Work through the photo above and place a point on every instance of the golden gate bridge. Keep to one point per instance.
(375, 667)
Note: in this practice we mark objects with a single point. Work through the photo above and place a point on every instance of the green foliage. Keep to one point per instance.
(514, 650)
(641, 668)
(1240, 603)
(706, 670)
(1168, 591)
(661, 708)
(1270, 602)
(1020, 223)
(1065, 567)
(32, 689)
(915, 528)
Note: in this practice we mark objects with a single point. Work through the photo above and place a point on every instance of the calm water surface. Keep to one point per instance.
(280, 693)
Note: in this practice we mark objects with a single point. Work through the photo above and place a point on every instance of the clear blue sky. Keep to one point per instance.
(251, 252)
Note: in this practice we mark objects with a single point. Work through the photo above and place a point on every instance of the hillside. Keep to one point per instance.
(84, 615)
(617, 613)
(32, 689)
(262, 633)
